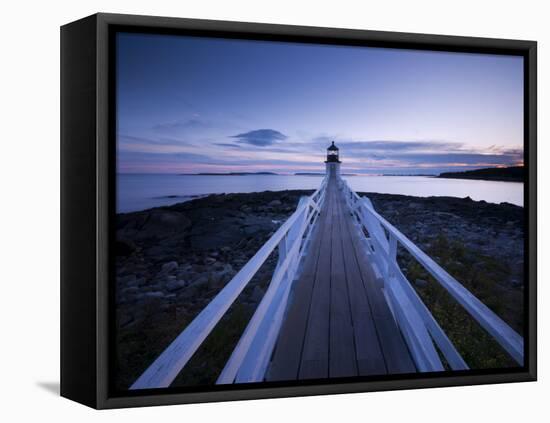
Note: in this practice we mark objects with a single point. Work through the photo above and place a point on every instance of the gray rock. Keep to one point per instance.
(175, 285)
(274, 203)
(128, 280)
(210, 260)
(140, 282)
(188, 293)
(154, 294)
(216, 278)
(125, 320)
(516, 283)
(124, 247)
(160, 223)
(222, 275)
(257, 294)
(198, 268)
(132, 290)
(215, 234)
(156, 251)
(251, 230)
(421, 283)
(201, 281)
(169, 267)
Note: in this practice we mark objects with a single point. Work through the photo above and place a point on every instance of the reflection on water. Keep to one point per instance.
(142, 191)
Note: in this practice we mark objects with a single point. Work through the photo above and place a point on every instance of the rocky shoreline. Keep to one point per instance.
(171, 261)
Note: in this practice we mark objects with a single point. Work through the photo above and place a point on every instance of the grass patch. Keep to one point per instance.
(481, 275)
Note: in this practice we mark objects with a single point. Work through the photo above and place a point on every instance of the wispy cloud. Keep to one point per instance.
(227, 144)
(130, 140)
(260, 137)
(262, 150)
(181, 125)
(384, 145)
(427, 152)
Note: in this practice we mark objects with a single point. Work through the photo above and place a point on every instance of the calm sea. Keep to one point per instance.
(143, 191)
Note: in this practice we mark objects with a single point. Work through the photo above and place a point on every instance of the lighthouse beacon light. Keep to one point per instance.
(332, 163)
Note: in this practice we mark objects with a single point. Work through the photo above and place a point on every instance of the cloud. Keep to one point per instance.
(262, 149)
(148, 157)
(227, 144)
(401, 145)
(128, 140)
(260, 137)
(418, 152)
(323, 139)
(180, 125)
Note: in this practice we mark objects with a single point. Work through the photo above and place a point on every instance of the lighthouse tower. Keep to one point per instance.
(332, 162)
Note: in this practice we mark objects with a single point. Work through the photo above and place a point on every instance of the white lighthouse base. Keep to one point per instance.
(332, 169)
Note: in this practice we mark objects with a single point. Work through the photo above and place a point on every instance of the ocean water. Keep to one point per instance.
(142, 191)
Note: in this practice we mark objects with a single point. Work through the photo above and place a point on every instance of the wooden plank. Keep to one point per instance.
(314, 364)
(342, 359)
(370, 360)
(338, 322)
(285, 362)
(395, 350)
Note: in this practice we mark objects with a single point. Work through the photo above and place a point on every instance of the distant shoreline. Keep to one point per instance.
(228, 174)
(506, 174)
(259, 173)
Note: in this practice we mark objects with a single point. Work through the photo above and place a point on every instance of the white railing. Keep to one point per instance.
(251, 355)
(413, 317)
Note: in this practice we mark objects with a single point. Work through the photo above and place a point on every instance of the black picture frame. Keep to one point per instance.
(87, 197)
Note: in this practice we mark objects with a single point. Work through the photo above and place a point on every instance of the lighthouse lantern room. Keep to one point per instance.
(332, 163)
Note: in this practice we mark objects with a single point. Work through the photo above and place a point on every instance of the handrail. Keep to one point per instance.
(510, 340)
(171, 361)
(248, 362)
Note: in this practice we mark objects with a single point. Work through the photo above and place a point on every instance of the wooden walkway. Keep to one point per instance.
(337, 323)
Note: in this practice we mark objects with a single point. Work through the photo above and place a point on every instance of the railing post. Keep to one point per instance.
(392, 255)
(282, 248)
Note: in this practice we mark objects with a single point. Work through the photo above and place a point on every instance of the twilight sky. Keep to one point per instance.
(189, 104)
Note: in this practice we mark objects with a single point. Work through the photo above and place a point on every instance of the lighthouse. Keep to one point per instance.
(332, 163)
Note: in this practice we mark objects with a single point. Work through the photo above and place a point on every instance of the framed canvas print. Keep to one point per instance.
(255, 211)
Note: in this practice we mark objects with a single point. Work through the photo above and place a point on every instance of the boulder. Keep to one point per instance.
(132, 290)
(169, 267)
(214, 235)
(124, 247)
(209, 260)
(201, 281)
(175, 285)
(140, 282)
(223, 275)
(162, 223)
(128, 280)
(125, 320)
(154, 294)
(421, 283)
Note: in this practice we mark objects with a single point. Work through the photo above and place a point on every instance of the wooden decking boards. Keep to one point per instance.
(337, 323)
